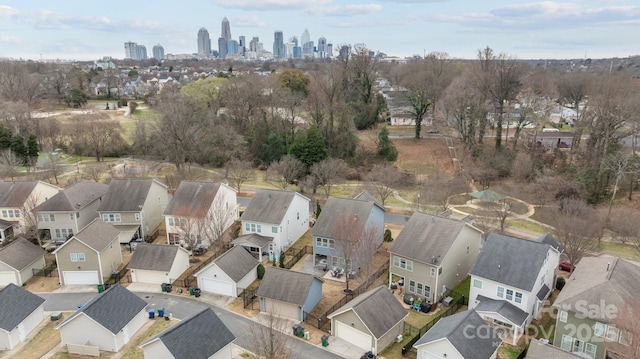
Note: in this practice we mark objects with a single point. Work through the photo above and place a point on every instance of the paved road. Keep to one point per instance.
(181, 307)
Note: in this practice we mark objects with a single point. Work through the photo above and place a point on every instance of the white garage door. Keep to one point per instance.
(7, 277)
(282, 309)
(82, 277)
(217, 286)
(353, 336)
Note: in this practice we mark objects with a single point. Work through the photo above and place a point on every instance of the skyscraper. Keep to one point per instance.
(329, 51)
(253, 45)
(142, 52)
(232, 47)
(278, 45)
(306, 44)
(130, 50)
(322, 47)
(158, 52)
(226, 29)
(223, 47)
(204, 42)
(242, 45)
(305, 37)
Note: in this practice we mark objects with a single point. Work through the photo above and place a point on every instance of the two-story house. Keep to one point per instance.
(345, 229)
(201, 211)
(432, 254)
(282, 216)
(70, 210)
(134, 206)
(17, 201)
(511, 279)
(598, 309)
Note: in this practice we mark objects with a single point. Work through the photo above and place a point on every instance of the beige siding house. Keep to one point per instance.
(108, 321)
(433, 254)
(158, 263)
(18, 260)
(230, 273)
(203, 333)
(288, 294)
(17, 201)
(370, 321)
(21, 313)
(200, 211)
(67, 212)
(134, 206)
(90, 256)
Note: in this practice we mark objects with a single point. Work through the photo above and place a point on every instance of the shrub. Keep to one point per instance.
(281, 260)
(560, 282)
(387, 235)
(261, 271)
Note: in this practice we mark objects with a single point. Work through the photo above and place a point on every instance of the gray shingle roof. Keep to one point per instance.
(98, 234)
(425, 236)
(199, 336)
(367, 197)
(253, 239)
(15, 193)
(192, 199)
(512, 261)
(592, 283)
(157, 257)
(540, 350)
(236, 263)
(20, 253)
(268, 206)
(454, 327)
(378, 309)
(74, 197)
(543, 292)
(334, 213)
(126, 195)
(502, 307)
(286, 285)
(550, 240)
(17, 304)
(113, 309)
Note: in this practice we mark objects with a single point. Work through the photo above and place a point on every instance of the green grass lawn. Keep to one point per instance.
(618, 249)
(527, 226)
(463, 288)
(507, 351)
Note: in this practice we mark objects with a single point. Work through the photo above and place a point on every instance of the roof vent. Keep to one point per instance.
(499, 266)
(434, 259)
(608, 266)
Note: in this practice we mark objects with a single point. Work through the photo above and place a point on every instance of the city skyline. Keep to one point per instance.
(523, 29)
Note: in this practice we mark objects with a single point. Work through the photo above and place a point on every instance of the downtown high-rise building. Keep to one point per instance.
(204, 42)
(226, 29)
(158, 52)
(232, 47)
(142, 52)
(242, 45)
(322, 48)
(253, 45)
(306, 44)
(279, 48)
(134, 51)
(225, 37)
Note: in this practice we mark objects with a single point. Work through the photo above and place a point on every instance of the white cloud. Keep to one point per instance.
(247, 21)
(9, 39)
(270, 4)
(8, 11)
(347, 10)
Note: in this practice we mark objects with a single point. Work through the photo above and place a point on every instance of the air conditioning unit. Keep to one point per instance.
(399, 338)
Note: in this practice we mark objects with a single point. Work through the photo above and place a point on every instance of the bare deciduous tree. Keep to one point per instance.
(627, 322)
(285, 172)
(439, 190)
(327, 173)
(355, 245)
(240, 171)
(9, 161)
(29, 217)
(269, 339)
(95, 172)
(624, 225)
(384, 178)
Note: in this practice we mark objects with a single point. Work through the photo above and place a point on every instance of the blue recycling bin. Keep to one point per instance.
(152, 313)
(161, 313)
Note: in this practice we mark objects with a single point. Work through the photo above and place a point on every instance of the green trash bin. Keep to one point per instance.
(100, 288)
(164, 288)
(325, 340)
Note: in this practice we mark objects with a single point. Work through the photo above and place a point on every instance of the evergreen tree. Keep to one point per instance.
(309, 147)
(273, 149)
(32, 149)
(386, 148)
(5, 137)
(18, 147)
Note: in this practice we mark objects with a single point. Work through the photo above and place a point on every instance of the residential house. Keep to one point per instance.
(280, 215)
(18, 261)
(288, 294)
(70, 210)
(90, 256)
(22, 311)
(200, 209)
(134, 206)
(370, 321)
(541, 349)
(107, 322)
(256, 244)
(158, 263)
(464, 335)
(347, 228)
(598, 309)
(202, 335)
(510, 281)
(230, 273)
(17, 201)
(432, 255)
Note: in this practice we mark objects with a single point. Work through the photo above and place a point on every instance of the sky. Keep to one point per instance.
(81, 30)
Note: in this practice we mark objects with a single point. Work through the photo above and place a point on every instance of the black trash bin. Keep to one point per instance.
(404, 350)
(368, 355)
(168, 287)
(197, 292)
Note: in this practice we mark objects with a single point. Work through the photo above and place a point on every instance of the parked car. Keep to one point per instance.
(566, 265)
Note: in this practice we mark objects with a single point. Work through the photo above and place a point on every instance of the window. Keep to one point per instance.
(63, 233)
(72, 216)
(324, 242)
(136, 216)
(47, 217)
(111, 217)
(477, 283)
(170, 220)
(5, 213)
(412, 286)
(427, 291)
(73, 257)
(17, 211)
(440, 271)
(500, 292)
(590, 349)
(612, 334)
(599, 329)
(402, 263)
(247, 227)
(433, 272)
(625, 338)
(578, 346)
(10, 213)
(566, 342)
(81, 257)
(509, 294)
(274, 229)
(518, 297)
(419, 289)
(563, 316)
